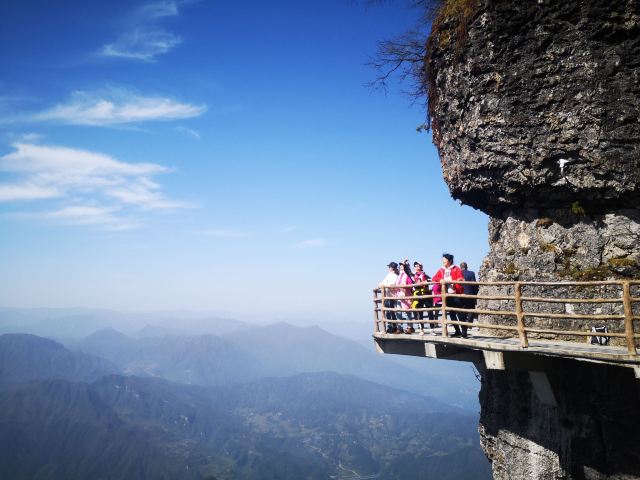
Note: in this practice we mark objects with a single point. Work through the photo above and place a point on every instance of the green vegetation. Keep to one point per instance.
(577, 209)
(587, 275)
(622, 262)
(510, 269)
(602, 272)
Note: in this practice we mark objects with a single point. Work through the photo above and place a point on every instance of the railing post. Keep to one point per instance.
(628, 318)
(443, 293)
(382, 312)
(376, 318)
(522, 332)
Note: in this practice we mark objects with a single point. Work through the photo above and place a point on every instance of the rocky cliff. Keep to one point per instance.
(536, 115)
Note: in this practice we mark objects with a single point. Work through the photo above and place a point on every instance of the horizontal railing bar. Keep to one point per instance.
(450, 309)
(528, 329)
(572, 284)
(510, 313)
(423, 320)
(412, 297)
(468, 324)
(574, 317)
(457, 295)
(479, 297)
(524, 283)
(574, 332)
(487, 325)
(483, 312)
(572, 300)
(495, 327)
(409, 310)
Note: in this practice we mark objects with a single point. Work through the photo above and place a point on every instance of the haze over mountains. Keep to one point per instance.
(274, 401)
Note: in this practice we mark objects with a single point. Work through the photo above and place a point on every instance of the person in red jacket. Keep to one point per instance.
(451, 273)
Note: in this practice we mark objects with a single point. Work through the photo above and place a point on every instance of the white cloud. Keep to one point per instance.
(116, 107)
(26, 191)
(288, 229)
(311, 243)
(145, 39)
(70, 163)
(86, 179)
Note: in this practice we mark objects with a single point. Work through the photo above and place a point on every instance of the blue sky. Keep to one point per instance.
(212, 155)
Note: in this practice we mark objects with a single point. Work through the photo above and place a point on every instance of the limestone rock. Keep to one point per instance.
(539, 106)
(535, 109)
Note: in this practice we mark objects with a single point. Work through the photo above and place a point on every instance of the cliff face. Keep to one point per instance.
(536, 115)
(588, 430)
(538, 105)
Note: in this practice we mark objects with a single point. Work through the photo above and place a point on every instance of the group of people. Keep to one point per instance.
(414, 283)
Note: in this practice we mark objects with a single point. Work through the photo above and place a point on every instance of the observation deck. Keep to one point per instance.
(521, 325)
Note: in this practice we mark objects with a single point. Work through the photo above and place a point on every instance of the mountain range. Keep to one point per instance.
(272, 402)
(270, 351)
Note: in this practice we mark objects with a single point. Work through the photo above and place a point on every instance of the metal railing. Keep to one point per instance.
(623, 308)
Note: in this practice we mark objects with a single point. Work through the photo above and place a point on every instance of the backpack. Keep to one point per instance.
(599, 340)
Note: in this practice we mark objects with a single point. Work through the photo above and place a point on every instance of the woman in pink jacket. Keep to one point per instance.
(405, 278)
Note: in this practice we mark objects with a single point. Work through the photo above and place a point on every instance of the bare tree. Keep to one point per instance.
(403, 57)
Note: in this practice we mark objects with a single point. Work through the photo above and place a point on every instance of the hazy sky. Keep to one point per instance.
(211, 155)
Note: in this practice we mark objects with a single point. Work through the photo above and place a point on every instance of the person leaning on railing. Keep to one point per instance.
(469, 303)
(451, 273)
(420, 277)
(390, 281)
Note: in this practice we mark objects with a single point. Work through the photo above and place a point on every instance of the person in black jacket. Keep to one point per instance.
(469, 276)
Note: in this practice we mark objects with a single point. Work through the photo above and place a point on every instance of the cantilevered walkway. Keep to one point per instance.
(521, 324)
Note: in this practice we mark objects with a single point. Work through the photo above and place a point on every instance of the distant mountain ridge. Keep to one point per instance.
(199, 359)
(26, 357)
(76, 323)
(274, 350)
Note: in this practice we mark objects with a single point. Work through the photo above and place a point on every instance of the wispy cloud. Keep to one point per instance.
(94, 187)
(311, 243)
(91, 215)
(26, 191)
(224, 233)
(288, 229)
(145, 194)
(114, 106)
(145, 38)
(188, 131)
